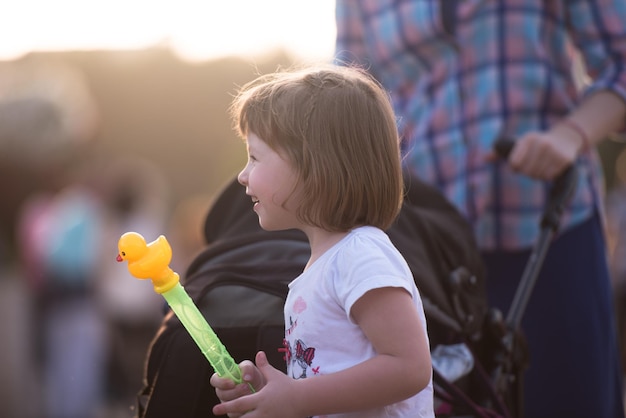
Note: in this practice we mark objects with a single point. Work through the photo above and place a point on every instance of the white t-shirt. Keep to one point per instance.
(320, 335)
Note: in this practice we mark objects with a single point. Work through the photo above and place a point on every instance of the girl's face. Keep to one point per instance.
(269, 180)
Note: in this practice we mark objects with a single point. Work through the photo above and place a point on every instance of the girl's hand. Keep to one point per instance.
(227, 390)
(272, 400)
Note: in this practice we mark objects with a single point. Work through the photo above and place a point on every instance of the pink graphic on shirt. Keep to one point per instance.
(302, 356)
(299, 305)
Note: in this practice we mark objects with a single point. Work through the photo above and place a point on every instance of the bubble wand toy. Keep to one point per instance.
(151, 261)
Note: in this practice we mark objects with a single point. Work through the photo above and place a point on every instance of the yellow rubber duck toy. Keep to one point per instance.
(148, 260)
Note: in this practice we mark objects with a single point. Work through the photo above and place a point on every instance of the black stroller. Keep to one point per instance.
(239, 282)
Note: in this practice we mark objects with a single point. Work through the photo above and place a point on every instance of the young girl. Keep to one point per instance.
(324, 158)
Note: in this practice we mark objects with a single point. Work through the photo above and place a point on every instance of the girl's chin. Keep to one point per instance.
(276, 222)
(266, 227)
(269, 226)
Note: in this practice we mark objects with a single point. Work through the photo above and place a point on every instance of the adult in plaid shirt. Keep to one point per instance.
(461, 74)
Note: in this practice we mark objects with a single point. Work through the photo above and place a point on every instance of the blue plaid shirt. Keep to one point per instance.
(456, 88)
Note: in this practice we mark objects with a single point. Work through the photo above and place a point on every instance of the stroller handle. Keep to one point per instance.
(512, 357)
(563, 186)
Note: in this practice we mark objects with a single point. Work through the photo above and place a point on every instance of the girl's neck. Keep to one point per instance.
(321, 241)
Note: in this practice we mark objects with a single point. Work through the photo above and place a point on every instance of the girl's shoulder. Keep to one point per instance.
(368, 239)
(368, 247)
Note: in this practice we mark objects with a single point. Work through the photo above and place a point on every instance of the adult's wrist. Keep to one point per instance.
(579, 131)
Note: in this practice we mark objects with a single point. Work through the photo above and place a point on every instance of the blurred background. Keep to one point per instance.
(113, 117)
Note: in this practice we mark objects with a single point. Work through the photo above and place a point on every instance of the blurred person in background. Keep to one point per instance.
(136, 197)
(62, 234)
(463, 74)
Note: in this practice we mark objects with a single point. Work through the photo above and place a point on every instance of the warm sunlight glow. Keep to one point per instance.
(195, 29)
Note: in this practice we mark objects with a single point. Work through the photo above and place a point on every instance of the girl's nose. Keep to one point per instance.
(242, 177)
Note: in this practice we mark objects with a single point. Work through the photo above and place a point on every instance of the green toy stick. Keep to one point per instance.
(151, 261)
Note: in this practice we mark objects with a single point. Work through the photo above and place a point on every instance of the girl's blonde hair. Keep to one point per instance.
(337, 128)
